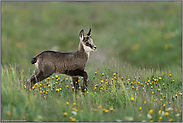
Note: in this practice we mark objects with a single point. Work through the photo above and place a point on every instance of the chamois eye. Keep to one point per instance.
(87, 43)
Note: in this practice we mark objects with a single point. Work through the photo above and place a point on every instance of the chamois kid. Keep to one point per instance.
(71, 63)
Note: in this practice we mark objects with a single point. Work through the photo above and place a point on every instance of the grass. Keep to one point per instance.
(129, 94)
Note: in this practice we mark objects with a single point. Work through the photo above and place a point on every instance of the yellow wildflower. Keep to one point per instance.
(65, 113)
(150, 111)
(73, 119)
(159, 111)
(140, 108)
(166, 113)
(8, 113)
(132, 98)
(26, 114)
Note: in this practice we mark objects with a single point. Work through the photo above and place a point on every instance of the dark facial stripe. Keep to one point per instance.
(89, 45)
(85, 39)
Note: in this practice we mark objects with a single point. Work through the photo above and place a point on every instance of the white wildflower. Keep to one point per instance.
(163, 113)
(74, 112)
(149, 116)
(168, 109)
(117, 120)
(129, 118)
(177, 115)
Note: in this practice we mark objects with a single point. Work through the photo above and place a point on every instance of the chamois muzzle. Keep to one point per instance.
(94, 48)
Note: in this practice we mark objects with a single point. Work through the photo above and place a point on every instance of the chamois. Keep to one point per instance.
(71, 63)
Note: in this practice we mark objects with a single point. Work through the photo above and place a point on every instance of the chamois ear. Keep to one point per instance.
(81, 34)
(89, 32)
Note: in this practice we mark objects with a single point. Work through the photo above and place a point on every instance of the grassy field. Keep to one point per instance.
(135, 75)
(130, 94)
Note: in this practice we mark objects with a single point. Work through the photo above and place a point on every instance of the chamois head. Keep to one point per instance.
(87, 41)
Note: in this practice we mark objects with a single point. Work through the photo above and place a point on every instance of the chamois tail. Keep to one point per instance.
(34, 60)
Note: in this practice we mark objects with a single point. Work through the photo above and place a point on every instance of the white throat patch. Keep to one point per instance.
(87, 49)
(36, 64)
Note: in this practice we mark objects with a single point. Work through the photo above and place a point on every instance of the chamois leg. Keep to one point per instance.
(39, 75)
(32, 79)
(85, 77)
(75, 83)
(80, 73)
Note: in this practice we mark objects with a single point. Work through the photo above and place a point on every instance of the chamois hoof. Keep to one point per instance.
(27, 85)
(83, 89)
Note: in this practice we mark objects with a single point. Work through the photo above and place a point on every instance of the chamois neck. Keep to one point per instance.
(82, 51)
(80, 48)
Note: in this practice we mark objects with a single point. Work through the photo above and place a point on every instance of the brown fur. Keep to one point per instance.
(72, 64)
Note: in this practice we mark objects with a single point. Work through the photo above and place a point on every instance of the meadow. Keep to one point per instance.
(112, 95)
(135, 75)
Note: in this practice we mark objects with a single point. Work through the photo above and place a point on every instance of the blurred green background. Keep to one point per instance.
(138, 33)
